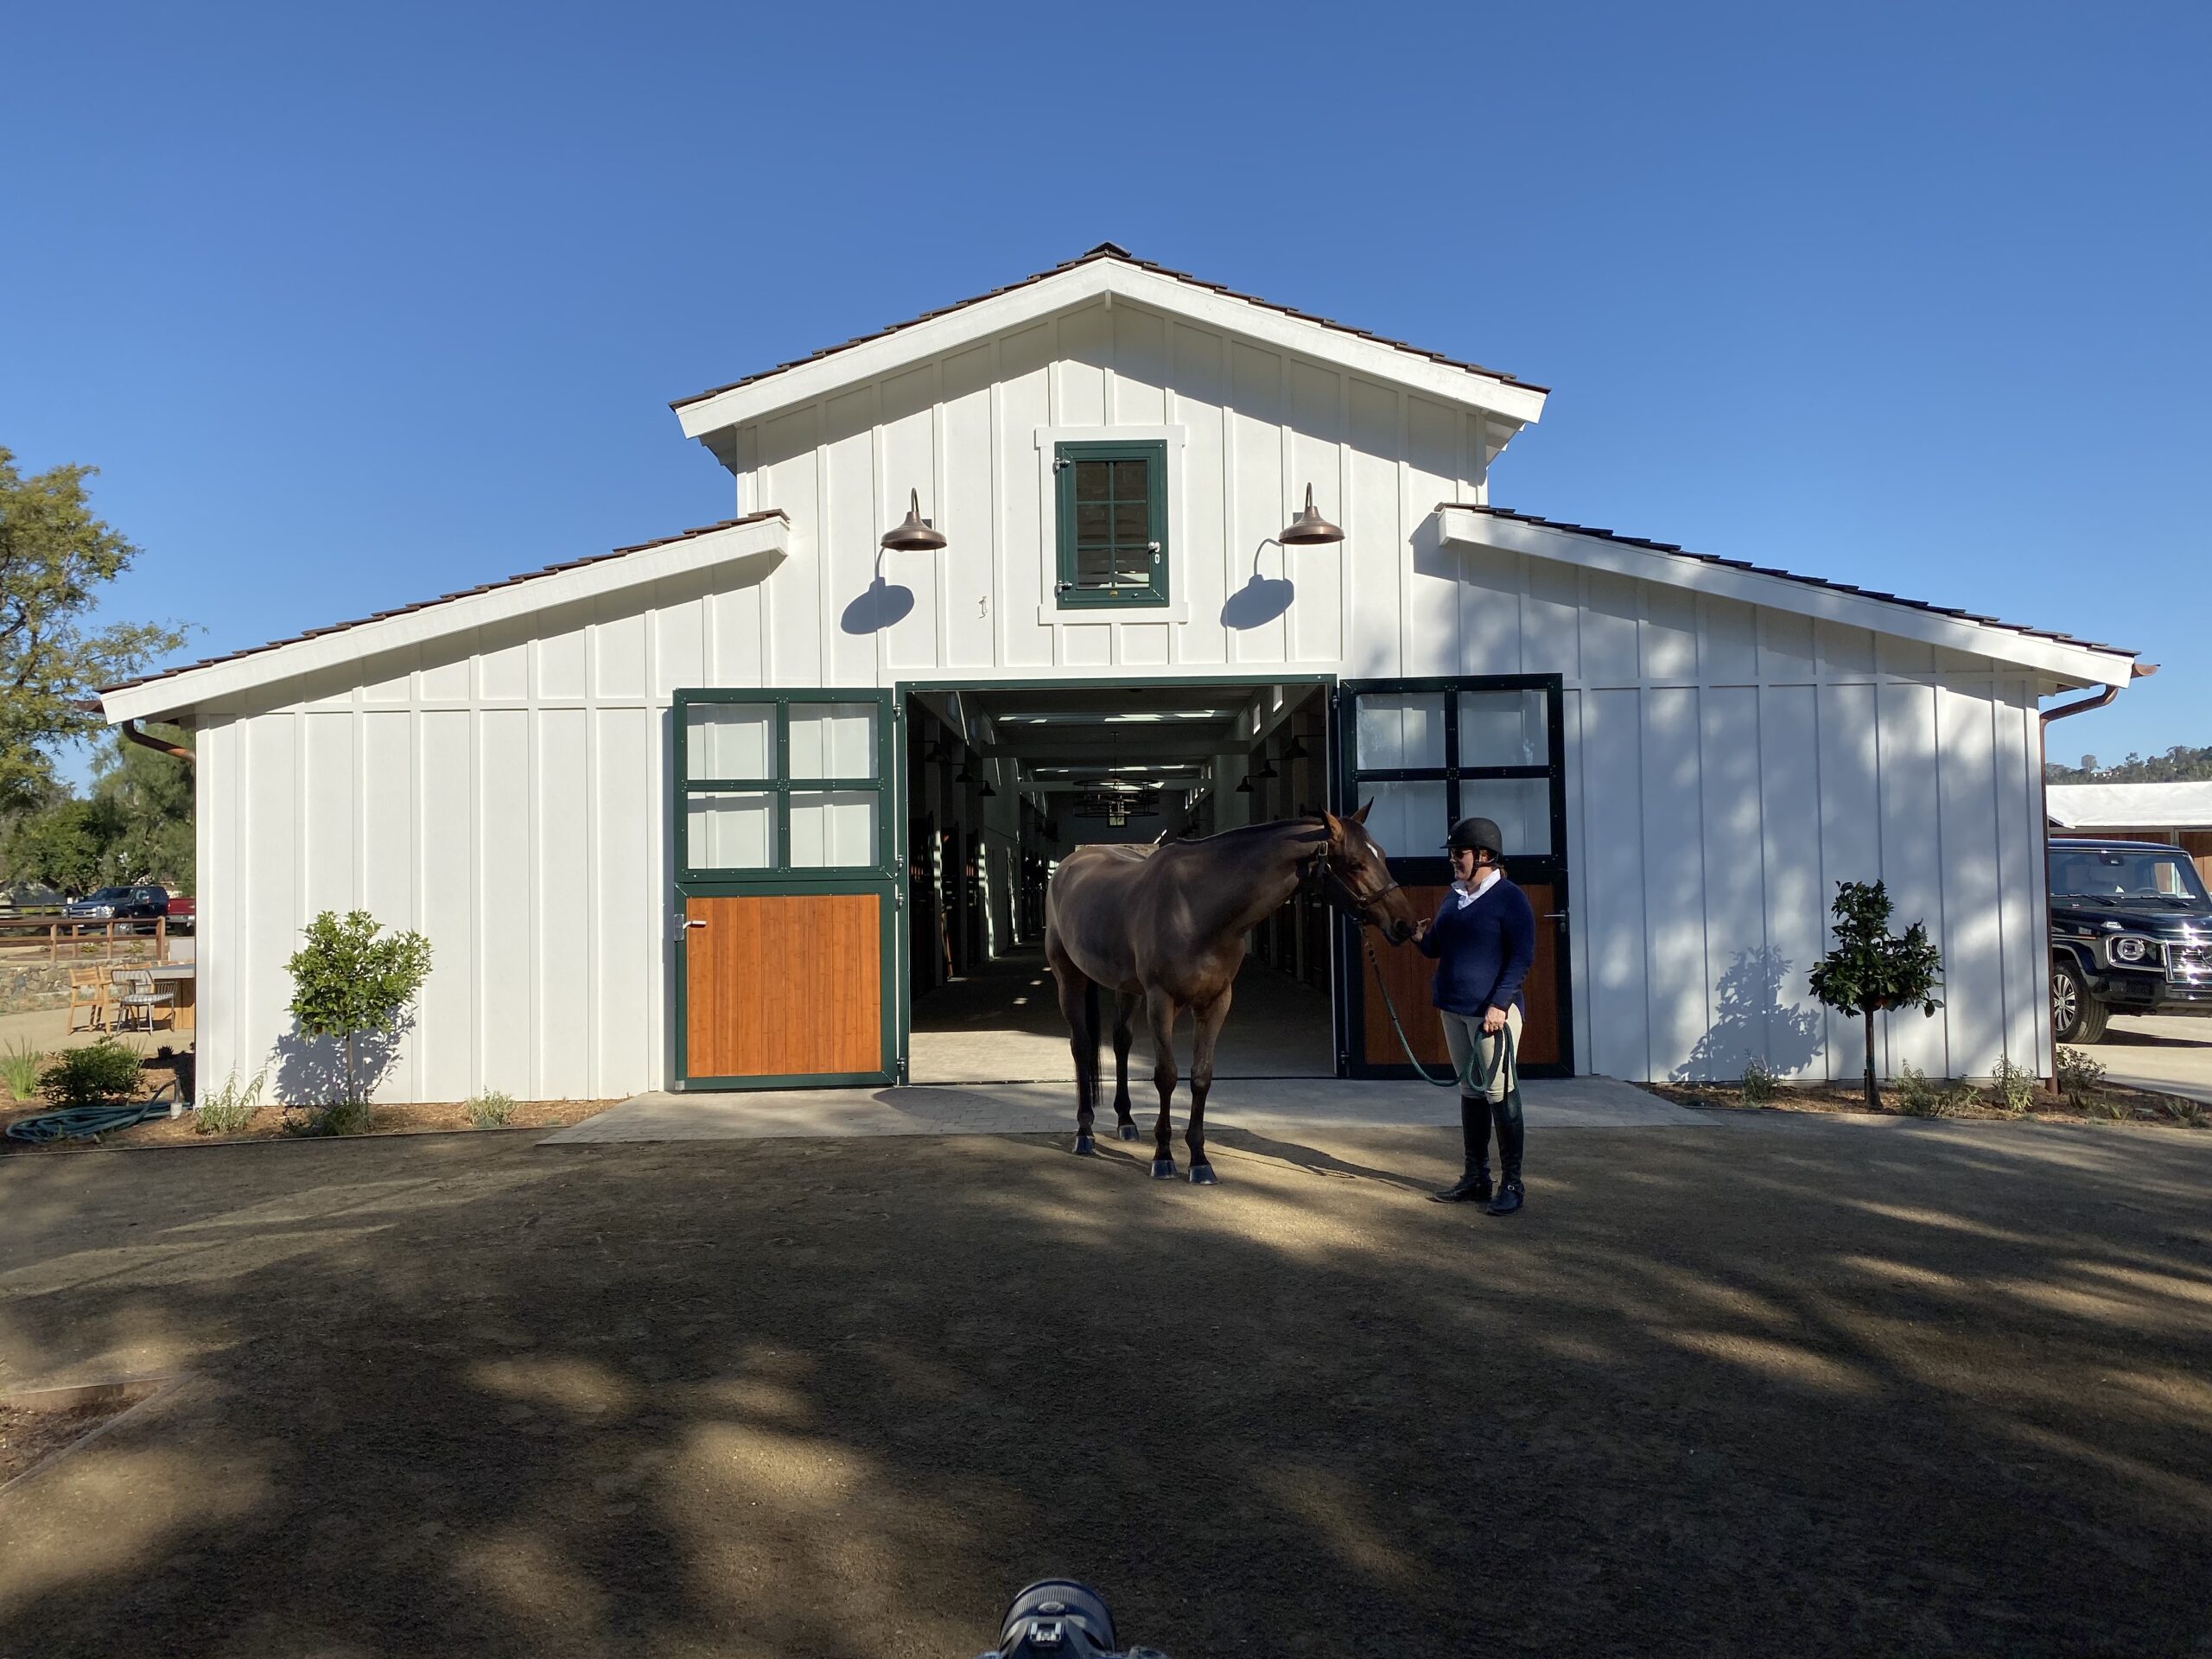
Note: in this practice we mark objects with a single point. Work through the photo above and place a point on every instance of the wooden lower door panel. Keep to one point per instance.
(784, 985)
(1409, 973)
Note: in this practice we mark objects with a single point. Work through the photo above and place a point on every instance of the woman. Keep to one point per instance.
(1484, 937)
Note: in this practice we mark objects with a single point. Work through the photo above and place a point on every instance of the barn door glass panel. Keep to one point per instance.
(729, 740)
(786, 902)
(1503, 729)
(731, 830)
(1427, 753)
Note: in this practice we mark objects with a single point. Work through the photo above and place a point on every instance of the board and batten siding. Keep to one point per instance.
(506, 794)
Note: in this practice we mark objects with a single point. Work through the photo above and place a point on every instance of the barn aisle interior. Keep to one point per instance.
(1002, 1024)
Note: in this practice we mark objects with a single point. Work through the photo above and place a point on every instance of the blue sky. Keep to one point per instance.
(355, 306)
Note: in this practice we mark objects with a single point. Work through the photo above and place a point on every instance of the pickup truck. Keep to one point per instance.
(124, 904)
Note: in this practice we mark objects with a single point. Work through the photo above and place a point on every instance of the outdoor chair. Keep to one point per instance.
(142, 995)
(88, 989)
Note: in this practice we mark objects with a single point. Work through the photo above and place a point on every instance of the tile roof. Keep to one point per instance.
(1108, 250)
(464, 592)
(1786, 575)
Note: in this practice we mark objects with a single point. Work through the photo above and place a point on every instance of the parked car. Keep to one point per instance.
(2131, 933)
(119, 903)
(184, 910)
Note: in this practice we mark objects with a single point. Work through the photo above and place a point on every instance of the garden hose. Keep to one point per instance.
(88, 1122)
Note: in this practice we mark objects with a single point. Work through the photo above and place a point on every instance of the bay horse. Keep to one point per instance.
(1164, 925)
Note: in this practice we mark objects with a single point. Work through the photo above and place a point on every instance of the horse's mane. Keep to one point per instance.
(1254, 831)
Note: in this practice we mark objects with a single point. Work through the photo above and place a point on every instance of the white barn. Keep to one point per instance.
(848, 768)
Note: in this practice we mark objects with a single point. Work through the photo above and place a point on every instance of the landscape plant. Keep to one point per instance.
(1760, 1082)
(351, 980)
(2014, 1086)
(20, 1064)
(2078, 1076)
(491, 1110)
(229, 1109)
(1871, 969)
(104, 1074)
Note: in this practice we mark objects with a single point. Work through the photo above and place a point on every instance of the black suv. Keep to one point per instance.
(2131, 933)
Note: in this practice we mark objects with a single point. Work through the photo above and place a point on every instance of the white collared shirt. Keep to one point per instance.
(1468, 895)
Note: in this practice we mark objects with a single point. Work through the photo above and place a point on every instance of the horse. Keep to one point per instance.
(1164, 925)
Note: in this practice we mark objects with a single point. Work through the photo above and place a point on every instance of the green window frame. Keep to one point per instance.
(1112, 520)
(768, 787)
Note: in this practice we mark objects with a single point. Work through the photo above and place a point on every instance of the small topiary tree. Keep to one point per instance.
(347, 983)
(1871, 969)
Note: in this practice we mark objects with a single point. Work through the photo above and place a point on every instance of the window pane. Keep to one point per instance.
(729, 739)
(1129, 482)
(730, 830)
(832, 828)
(1521, 808)
(1132, 522)
(833, 739)
(1092, 523)
(1094, 567)
(1134, 565)
(1401, 730)
(1502, 728)
(1407, 820)
(1093, 480)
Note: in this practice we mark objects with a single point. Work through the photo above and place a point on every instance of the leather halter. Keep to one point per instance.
(1319, 874)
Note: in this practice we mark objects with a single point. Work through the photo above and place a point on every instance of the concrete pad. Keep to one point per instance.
(1263, 1106)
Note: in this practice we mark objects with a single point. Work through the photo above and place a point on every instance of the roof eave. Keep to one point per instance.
(760, 541)
(2069, 661)
(1088, 281)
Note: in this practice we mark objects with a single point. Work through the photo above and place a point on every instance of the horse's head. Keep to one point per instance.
(1361, 870)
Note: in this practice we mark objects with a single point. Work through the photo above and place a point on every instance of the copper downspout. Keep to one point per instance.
(129, 729)
(2141, 671)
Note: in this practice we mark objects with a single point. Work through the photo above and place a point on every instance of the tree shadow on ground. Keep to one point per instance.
(1758, 1386)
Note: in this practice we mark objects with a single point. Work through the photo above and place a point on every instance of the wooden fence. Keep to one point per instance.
(64, 939)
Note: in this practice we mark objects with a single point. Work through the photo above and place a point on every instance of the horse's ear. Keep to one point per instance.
(1336, 829)
(1360, 816)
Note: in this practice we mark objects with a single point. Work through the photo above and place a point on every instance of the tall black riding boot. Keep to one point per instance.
(1474, 1130)
(1510, 1135)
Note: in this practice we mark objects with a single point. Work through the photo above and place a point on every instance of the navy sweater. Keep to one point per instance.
(1482, 951)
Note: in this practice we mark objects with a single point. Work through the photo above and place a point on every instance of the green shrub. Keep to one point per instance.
(102, 1075)
(339, 1118)
(1760, 1082)
(1920, 1096)
(229, 1109)
(489, 1111)
(349, 983)
(2014, 1087)
(2078, 1076)
(2187, 1113)
(20, 1066)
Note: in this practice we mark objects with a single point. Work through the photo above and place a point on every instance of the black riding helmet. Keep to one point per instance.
(1476, 835)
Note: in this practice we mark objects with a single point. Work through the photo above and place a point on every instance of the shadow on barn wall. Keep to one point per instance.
(1263, 598)
(311, 1070)
(1752, 1023)
(879, 606)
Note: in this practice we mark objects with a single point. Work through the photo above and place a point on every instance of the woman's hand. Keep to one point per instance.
(1493, 1021)
(1421, 930)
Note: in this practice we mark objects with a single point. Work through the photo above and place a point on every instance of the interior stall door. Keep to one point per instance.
(1428, 752)
(788, 889)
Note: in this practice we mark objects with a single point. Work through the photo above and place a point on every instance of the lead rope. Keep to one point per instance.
(1458, 1079)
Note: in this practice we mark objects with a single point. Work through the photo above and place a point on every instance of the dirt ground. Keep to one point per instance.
(275, 1123)
(2105, 1103)
(1778, 1384)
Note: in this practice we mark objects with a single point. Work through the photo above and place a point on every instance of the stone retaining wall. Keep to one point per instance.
(23, 987)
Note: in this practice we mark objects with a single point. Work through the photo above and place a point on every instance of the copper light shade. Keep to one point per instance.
(1308, 528)
(916, 535)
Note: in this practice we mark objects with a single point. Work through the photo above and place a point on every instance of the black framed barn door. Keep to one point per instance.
(1428, 752)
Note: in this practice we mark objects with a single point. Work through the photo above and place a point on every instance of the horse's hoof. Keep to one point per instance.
(1085, 1146)
(1127, 1131)
(1163, 1169)
(1203, 1175)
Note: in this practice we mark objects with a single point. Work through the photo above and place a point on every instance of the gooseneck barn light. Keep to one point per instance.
(916, 535)
(1306, 530)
